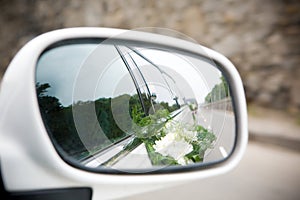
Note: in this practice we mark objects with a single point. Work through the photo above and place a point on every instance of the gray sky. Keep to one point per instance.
(87, 72)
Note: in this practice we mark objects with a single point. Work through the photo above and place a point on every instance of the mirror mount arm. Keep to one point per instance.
(157, 67)
(133, 78)
(141, 74)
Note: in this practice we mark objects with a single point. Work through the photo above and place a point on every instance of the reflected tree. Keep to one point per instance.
(60, 123)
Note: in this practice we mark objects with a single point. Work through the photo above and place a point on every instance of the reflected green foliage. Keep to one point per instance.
(204, 141)
(96, 125)
(149, 129)
(170, 108)
(145, 126)
(58, 122)
(164, 127)
(219, 91)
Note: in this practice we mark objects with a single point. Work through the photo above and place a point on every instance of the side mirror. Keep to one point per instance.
(108, 107)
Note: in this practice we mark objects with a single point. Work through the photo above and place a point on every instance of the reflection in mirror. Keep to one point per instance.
(110, 105)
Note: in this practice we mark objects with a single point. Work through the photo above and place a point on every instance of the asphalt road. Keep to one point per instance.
(266, 172)
(222, 124)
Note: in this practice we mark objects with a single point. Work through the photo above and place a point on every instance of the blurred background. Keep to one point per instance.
(261, 38)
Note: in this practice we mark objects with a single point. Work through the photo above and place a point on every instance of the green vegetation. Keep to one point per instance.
(86, 134)
(150, 129)
(145, 126)
(146, 129)
(153, 128)
(84, 128)
(60, 123)
(204, 141)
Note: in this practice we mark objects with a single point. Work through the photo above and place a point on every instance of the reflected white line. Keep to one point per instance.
(223, 152)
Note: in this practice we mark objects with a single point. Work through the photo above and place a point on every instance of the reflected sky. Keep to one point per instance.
(81, 72)
(59, 67)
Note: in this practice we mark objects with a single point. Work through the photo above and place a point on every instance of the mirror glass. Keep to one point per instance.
(134, 108)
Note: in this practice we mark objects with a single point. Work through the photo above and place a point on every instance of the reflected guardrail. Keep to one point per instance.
(223, 104)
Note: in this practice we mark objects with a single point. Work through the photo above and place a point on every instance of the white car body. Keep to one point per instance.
(28, 158)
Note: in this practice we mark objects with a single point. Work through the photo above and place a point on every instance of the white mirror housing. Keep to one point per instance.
(29, 160)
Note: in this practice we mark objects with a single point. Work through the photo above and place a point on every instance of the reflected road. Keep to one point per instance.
(221, 123)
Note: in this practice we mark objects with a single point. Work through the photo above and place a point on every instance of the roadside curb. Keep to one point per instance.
(285, 142)
(278, 132)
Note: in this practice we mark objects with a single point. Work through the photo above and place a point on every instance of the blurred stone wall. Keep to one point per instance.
(261, 37)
